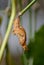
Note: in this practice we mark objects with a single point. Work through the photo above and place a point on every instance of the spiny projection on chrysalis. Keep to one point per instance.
(20, 32)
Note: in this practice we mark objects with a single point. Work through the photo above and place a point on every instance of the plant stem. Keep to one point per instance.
(8, 29)
(27, 7)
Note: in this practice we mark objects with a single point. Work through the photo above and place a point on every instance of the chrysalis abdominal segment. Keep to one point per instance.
(20, 32)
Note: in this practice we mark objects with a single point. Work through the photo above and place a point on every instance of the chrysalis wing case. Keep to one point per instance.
(20, 32)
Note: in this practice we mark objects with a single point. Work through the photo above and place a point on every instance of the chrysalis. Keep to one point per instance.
(20, 32)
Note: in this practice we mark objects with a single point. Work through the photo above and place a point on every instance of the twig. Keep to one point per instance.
(8, 29)
(27, 7)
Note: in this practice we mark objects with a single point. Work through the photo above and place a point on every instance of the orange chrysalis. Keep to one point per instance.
(20, 32)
